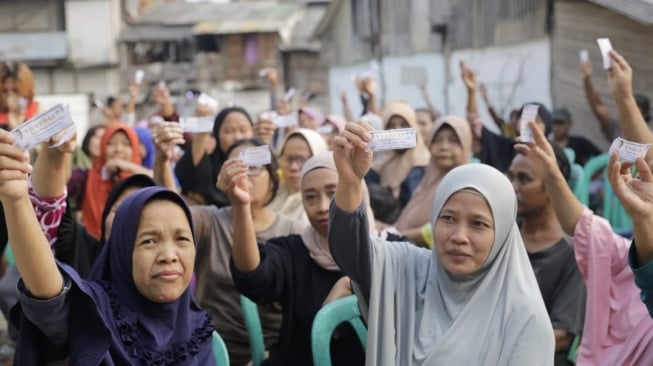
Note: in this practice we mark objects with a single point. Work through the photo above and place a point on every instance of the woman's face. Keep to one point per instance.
(424, 124)
(94, 143)
(108, 221)
(119, 147)
(295, 153)
(464, 233)
(446, 150)
(234, 127)
(260, 183)
(10, 87)
(318, 188)
(164, 252)
(396, 122)
(306, 121)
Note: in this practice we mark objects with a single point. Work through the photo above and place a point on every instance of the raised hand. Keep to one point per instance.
(166, 135)
(67, 147)
(349, 155)
(586, 69)
(620, 76)
(636, 195)
(14, 167)
(233, 181)
(264, 128)
(134, 89)
(540, 152)
(468, 76)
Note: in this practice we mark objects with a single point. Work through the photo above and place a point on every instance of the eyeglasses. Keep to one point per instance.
(255, 170)
(289, 160)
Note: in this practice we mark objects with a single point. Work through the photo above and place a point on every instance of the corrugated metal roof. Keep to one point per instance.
(638, 10)
(33, 46)
(302, 34)
(155, 32)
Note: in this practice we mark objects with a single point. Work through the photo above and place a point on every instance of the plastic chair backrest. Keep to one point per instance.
(571, 154)
(327, 320)
(613, 211)
(254, 330)
(220, 350)
(592, 166)
(575, 178)
(573, 349)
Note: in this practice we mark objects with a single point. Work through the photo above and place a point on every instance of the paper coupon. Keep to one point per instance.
(397, 139)
(269, 115)
(584, 56)
(42, 127)
(162, 84)
(629, 151)
(207, 100)
(326, 129)
(98, 103)
(138, 77)
(262, 73)
(260, 155)
(290, 94)
(605, 46)
(286, 120)
(196, 124)
(528, 114)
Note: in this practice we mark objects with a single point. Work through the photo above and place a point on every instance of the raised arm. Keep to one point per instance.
(427, 99)
(166, 136)
(233, 181)
(636, 195)
(493, 113)
(633, 125)
(346, 111)
(596, 104)
(567, 207)
(33, 256)
(134, 89)
(52, 168)
(469, 78)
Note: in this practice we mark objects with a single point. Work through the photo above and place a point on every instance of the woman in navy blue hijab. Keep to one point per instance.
(136, 308)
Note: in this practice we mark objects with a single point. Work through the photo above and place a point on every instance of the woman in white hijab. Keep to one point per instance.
(473, 300)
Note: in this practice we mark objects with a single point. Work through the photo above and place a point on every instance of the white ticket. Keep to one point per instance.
(286, 120)
(325, 129)
(290, 94)
(262, 73)
(260, 155)
(42, 127)
(629, 151)
(269, 115)
(138, 77)
(196, 124)
(162, 84)
(207, 100)
(605, 46)
(396, 139)
(584, 56)
(528, 114)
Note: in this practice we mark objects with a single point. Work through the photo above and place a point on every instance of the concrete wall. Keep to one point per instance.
(514, 75)
(93, 27)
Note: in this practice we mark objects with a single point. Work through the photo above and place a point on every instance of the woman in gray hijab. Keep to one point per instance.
(472, 300)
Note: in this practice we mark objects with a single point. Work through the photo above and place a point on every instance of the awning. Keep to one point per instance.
(33, 46)
(155, 32)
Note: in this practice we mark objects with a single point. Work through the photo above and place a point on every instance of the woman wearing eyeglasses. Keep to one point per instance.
(298, 146)
(215, 291)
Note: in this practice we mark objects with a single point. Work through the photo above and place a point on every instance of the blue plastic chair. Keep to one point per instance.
(327, 320)
(254, 330)
(220, 350)
(571, 154)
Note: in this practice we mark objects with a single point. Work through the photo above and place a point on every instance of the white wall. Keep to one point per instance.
(526, 68)
(93, 27)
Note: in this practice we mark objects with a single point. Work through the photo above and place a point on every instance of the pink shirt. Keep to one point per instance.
(618, 329)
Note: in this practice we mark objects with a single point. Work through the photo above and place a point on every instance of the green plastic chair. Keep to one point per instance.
(254, 330)
(327, 320)
(575, 179)
(571, 154)
(613, 211)
(572, 356)
(220, 350)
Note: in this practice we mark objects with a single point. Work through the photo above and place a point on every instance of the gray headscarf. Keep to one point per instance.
(419, 314)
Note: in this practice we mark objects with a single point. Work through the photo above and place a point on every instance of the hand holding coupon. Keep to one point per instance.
(396, 139)
(629, 151)
(254, 156)
(54, 121)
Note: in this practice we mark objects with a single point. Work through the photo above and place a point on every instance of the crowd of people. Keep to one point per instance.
(471, 248)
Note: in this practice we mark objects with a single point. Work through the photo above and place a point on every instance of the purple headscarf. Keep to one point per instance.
(111, 322)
